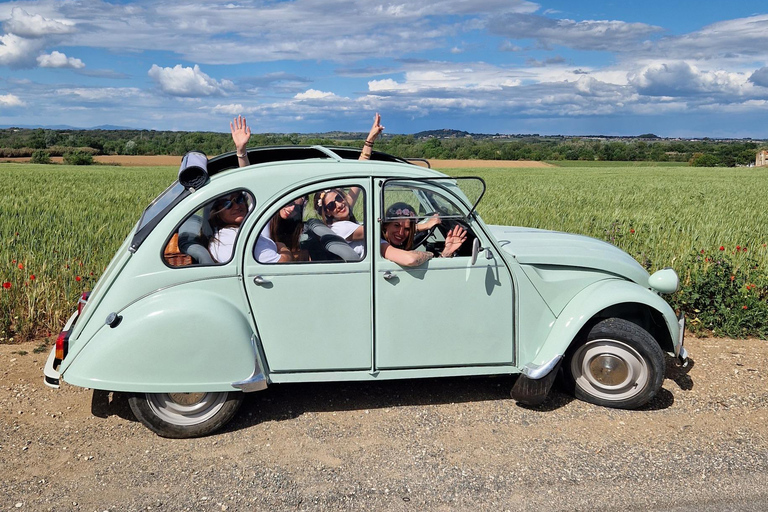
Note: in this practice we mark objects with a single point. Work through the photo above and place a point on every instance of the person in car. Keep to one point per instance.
(397, 237)
(227, 213)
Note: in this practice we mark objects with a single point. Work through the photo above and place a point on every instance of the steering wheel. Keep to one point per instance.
(420, 237)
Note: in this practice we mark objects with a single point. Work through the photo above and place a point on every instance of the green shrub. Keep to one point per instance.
(724, 293)
(40, 156)
(78, 157)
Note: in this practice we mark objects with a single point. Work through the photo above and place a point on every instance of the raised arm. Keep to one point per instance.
(376, 130)
(241, 134)
(403, 257)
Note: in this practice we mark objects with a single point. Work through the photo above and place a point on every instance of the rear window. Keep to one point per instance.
(160, 203)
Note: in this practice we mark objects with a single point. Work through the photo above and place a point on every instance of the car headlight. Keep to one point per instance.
(664, 281)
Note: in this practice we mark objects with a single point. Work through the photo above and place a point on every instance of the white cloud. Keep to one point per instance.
(101, 94)
(231, 109)
(10, 100)
(313, 94)
(24, 24)
(187, 82)
(677, 79)
(760, 77)
(59, 60)
(17, 51)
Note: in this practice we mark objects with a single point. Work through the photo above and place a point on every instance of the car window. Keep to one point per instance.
(325, 225)
(208, 235)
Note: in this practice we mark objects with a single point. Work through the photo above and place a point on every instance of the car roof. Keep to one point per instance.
(274, 154)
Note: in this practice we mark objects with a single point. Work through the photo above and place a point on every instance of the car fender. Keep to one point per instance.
(170, 341)
(588, 303)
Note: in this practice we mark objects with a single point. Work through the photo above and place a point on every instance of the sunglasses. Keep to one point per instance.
(329, 207)
(229, 203)
(299, 203)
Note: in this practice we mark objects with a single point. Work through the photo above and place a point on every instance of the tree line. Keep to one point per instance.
(18, 142)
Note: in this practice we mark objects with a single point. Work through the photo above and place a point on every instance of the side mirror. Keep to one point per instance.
(475, 250)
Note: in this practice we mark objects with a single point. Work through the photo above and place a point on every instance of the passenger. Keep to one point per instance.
(287, 226)
(397, 238)
(333, 206)
(226, 216)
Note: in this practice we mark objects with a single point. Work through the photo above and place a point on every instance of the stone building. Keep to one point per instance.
(762, 158)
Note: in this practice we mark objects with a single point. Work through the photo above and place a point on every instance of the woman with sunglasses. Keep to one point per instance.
(397, 237)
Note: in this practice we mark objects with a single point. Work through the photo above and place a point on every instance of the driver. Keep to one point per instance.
(397, 237)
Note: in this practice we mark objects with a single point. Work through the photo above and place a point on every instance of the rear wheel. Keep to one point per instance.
(617, 364)
(180, 415)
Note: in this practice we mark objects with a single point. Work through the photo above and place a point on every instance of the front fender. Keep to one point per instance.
(589, 302)
(170, 341)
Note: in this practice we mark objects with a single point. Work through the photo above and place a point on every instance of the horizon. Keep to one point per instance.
(677, 70)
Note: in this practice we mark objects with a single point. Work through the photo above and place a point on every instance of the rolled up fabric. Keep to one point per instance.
(193, 172)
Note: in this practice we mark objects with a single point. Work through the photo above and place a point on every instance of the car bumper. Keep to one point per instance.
(50, 373)
(680, 353)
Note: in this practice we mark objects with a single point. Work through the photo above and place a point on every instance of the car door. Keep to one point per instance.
(312, 315)
(446, 312)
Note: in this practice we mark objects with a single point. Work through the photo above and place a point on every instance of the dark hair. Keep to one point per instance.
(320, 207)
(286, 231)
(391, 216)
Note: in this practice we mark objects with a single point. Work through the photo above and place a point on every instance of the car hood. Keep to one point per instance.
(531, 246)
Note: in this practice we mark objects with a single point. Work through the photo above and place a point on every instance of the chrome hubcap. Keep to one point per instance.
(609, 370)
(186, 408)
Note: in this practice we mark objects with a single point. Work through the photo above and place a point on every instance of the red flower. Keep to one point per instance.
(744, 306)
(21, 266)
(91, 273)
(7, 285)
(632, 231)
(738, 247)
(744, 249)
(732, 278)
(78, 278)
(722, 248)
(702, 251)
(707, 259)
(81, 263)
(32, 277)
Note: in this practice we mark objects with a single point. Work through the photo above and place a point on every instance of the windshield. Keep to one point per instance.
(160, 203)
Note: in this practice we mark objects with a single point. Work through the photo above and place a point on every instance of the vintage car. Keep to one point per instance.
(186, 335)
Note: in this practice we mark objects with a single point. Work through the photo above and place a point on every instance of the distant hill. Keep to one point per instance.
(445, 133)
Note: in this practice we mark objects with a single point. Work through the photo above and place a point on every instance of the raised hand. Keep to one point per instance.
(376, 129)
(241, 133)
(453, 240)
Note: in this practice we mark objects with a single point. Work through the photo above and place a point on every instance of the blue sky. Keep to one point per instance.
(676, 69)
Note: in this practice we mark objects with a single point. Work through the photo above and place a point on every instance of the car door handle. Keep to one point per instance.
(260, 281)
(389, 275)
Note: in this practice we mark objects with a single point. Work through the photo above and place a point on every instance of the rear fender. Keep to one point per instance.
(590, 302)
(170, 341)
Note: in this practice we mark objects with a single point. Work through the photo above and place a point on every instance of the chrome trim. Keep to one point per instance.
(538, 371)
(256, 382)
(51, 376)
(680, 334)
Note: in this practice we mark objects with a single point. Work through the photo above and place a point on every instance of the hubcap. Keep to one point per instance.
(186, 408)
(609, 370)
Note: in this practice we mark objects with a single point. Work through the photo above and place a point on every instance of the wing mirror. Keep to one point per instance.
(476, 251)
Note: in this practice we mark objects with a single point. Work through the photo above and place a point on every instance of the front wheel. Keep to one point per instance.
(617, 364)
(180, 415)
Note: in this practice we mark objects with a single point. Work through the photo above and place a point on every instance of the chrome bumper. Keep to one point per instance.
(50, 373)
(680, 353)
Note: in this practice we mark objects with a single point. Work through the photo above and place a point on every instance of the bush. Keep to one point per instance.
(78, 157)
(40, 157)
(724, 294)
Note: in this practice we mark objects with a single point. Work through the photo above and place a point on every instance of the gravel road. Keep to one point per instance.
(438, 444)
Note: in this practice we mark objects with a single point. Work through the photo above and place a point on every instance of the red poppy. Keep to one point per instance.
(732, 278)
(702, 251)
(632, 231)
(81, 263)
(738, 247)
(722, 248)
(21, 266)
(744, 249)
(32, 277)
(744, 306)
(7, 285)
(91, 273)
(78, 278)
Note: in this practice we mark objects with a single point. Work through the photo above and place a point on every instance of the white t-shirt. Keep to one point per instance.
(265, 250)
(222, 243)
(345, 228)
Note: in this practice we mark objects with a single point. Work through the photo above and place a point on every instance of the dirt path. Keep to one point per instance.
(443, 444)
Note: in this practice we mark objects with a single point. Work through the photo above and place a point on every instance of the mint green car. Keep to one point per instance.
(186, 334)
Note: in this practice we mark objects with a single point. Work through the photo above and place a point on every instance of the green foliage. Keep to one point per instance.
(704, 160)
(724, 292)
(40, 156)
(78, 157)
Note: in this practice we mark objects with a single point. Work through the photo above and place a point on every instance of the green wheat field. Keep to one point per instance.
(60, 225)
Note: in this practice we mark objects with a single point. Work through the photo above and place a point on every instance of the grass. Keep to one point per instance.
(62, 224)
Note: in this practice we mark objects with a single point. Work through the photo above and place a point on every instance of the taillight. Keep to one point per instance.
(62, 345)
